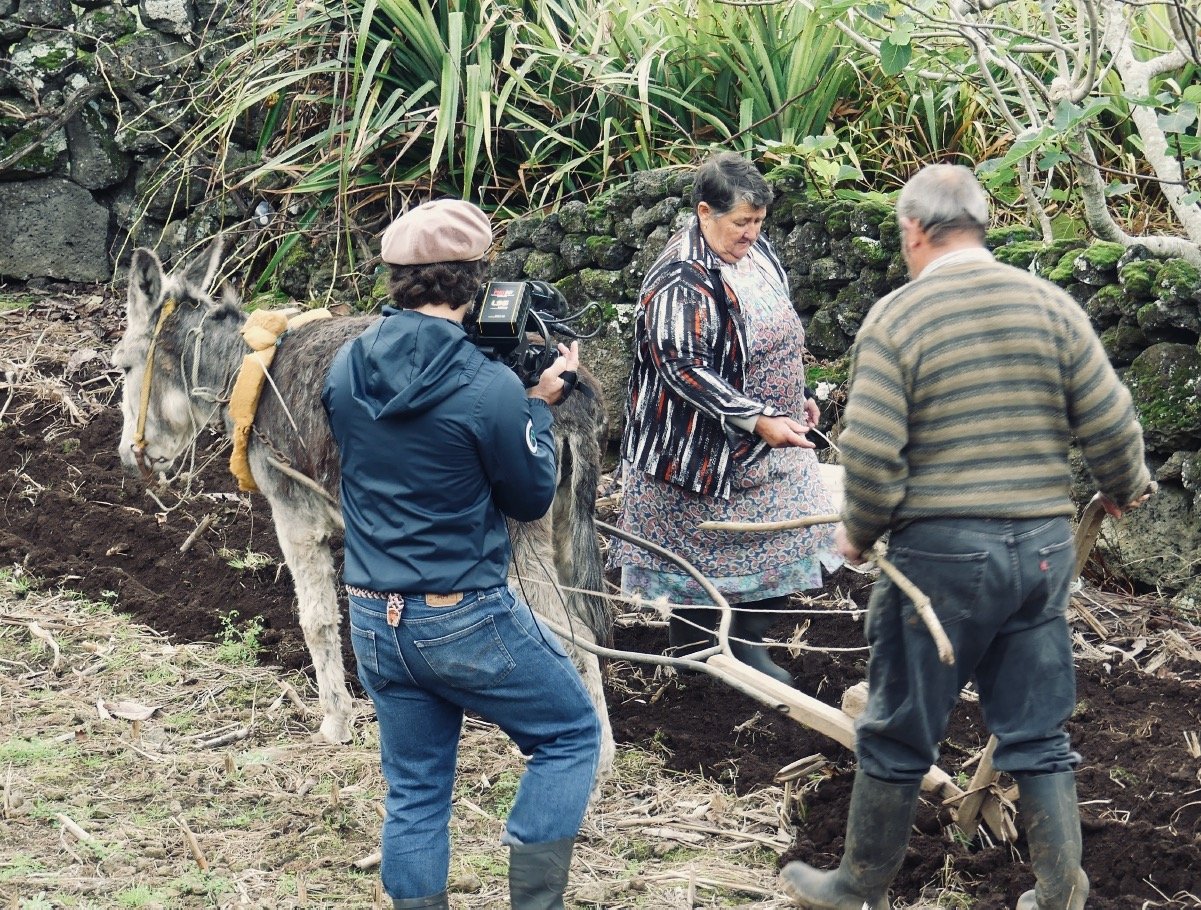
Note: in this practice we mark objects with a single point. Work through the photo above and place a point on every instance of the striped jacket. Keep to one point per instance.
(689, 369)
(968, 384)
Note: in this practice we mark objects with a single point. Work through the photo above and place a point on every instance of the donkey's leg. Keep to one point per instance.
(589, 667)
(532, 574)
(305, 545)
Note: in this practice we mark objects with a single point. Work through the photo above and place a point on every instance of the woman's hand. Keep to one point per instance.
(781, 431)
(812, 413)
(553, 384)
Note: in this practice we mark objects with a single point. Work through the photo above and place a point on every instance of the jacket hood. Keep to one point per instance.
(409, 362)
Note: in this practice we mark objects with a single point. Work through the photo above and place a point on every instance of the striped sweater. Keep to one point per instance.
(967, 387)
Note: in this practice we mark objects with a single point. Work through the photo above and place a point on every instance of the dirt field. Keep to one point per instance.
(71, 519)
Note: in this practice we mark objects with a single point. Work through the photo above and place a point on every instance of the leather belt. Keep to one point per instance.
(396, 600)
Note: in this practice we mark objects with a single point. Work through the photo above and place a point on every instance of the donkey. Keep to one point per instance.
(180, 355)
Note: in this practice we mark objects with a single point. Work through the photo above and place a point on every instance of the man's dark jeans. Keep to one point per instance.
(1000, 588)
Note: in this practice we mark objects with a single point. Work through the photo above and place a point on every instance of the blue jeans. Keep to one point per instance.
(487, 654)
(1000, 589)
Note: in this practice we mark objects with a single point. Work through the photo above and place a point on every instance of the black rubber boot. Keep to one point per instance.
(433, 902)
(538, 874)
(684, 637)
(750, 625)
(877, 834)
(1052, 821)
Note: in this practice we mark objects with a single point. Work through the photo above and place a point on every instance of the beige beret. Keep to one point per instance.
(445, 230)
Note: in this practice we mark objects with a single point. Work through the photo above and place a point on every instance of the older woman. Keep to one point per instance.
(716, 423)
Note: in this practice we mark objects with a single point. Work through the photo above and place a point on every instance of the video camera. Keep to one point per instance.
(507, 312)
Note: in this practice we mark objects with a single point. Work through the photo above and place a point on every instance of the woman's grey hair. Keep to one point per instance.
(727, 179)
(945, 199)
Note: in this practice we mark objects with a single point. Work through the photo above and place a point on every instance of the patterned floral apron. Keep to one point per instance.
(783, 485)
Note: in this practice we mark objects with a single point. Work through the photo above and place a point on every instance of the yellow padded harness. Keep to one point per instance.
(262, 333)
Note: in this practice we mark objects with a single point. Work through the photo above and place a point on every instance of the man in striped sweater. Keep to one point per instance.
(968, 385)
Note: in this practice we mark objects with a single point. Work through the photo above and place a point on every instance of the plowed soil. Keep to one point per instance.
(70, 517)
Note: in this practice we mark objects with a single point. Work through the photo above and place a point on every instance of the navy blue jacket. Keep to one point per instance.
(438, 444)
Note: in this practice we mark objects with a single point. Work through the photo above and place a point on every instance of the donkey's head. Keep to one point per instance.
(160, 355)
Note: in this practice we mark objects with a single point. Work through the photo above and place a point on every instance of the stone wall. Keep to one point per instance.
(90, 99)
(842, 255)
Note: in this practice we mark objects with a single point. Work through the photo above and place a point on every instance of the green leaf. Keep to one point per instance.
(1190, 198)
(1117, 188)
(1067, 115)
(894, 57)
(1052, 158)
(903, 32)
(1179, 121)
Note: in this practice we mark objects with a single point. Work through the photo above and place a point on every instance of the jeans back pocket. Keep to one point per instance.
(468, 658)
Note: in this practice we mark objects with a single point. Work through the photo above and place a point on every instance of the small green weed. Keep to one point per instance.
(245, 560)
(21, 752)
(16, 581)
(141, 896)
(19, 866)
(10, 302)
(240, 645)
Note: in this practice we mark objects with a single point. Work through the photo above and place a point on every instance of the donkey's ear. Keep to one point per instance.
(145, 284)
(202, 269)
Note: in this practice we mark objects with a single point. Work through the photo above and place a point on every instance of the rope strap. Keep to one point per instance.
(139, 438)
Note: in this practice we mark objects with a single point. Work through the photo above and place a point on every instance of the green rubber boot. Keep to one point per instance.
(877, 834)
(538, 874)
(1052, 820)
(683, 634)
(749, 625)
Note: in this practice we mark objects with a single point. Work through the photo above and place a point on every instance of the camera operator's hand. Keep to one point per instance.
(558, 379)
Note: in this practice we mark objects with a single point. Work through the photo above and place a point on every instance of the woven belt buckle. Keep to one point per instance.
(395, 605)
(442, 600)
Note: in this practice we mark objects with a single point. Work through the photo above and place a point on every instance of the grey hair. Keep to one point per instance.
(945, 199)
(727, 179)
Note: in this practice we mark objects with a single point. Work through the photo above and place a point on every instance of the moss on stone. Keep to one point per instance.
(42, 155)
(544, 266)
(1007, 236)
(836, 372)
(1103, 254)
(1178, 280)
(601, 285)
(1123, 342)
(1137, 278)
(870, 252)
(1105, 306)
(825, 337)
(838, 218)
(1062, 273)
(1019, 253)
(1163, 382)
(1049, 257)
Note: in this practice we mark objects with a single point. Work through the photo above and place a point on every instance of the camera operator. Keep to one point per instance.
(438, 444)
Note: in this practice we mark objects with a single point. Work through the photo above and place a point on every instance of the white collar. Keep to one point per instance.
(966, 254)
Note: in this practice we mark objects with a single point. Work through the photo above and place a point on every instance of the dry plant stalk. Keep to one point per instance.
(73, 829)
(193, 844)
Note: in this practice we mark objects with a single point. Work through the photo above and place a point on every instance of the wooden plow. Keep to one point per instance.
(982, 802)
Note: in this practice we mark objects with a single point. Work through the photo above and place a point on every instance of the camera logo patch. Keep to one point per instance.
(531, 441)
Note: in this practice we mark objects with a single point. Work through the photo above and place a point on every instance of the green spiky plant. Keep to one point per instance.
(352, 109)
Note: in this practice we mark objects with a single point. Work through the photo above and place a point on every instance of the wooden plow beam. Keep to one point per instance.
(719, 662)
